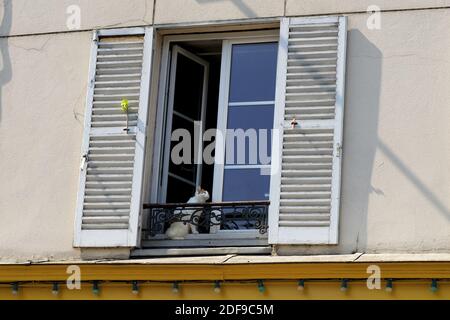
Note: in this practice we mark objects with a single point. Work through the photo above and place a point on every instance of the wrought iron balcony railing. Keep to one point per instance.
(241, 215)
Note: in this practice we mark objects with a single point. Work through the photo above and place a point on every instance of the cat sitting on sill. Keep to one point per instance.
(178, 230)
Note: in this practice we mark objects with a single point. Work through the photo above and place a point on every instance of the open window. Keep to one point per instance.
(254, 117)
(186, 114)
(220, 93)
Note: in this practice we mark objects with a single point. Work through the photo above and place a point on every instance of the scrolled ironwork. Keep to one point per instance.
(228, 215)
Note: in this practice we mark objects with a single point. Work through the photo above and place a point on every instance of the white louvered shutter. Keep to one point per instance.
(305, 185)
(111, 171)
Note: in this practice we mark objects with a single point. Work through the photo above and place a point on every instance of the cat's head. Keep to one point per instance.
(201, 194)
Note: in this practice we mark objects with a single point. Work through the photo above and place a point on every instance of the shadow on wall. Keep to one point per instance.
(245, 9)
(363, 81)
(361, 142)
(5, 28)
(423, 189)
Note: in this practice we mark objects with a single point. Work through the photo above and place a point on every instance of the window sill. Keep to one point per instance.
(154, 252)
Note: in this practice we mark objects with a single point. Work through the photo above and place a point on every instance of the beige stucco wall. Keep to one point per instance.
(310, 7)
(396, 177)
(169, 11)
(43, 16)
(42, 91)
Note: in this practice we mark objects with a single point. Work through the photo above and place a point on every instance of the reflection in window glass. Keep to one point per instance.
(257, 123)
(245, 185)
(252, 90)
(253, 72)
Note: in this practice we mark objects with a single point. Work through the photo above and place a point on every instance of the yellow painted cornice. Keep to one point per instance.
(198, 272)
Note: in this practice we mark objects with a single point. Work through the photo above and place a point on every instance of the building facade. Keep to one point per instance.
(353, 96)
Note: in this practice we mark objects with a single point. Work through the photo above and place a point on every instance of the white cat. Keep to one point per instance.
(179, 230)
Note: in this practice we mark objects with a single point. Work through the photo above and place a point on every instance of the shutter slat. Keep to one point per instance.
(305, 217)
(106, 197)
(310, 103)
(309, 77)
(112, 149)
(130, 63)
(303, 195)
(121, 70)
(312, 40)
(105, 219)
(308, 144)
(312, 68)
(106, 205)
(101, 164)
(114, 97)
(120, 57)
(117, 91)
(313, 34)
(306, 173)
(300, 166)
(304, 223)
(108, 191)
(108, 170)
(112, 111)
(296, 47)
(314, 88)
(305, 181)
(313, 151)
(123, 45)
(109, 185)
(107, 212)
(305, 110)
(109, 177)
(119, 51)
(110, 157)
(105, 226)
(100, 79)
(114, 104)
(305, 209)
(306, 187)
(312, 63)
(117, 83)
(113, 141)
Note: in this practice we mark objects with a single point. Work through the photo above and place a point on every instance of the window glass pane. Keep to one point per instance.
(188, 169)
(245, 185)
(178, 191)
(256, 123)
(253, 72)
(188, 87)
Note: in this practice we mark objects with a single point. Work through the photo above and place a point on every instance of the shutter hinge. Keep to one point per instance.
(84, 160)
(338, 150)
(95, 36)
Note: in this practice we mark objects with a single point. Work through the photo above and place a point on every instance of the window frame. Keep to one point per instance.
(222, 117)
(270, 35)
(170, 112)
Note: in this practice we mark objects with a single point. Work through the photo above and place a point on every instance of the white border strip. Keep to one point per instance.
(247, 166)
(252, 103)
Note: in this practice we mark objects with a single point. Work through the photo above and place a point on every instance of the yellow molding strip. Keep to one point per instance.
(171, 272)
(275, 289)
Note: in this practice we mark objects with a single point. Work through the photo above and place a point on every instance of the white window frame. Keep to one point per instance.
(176, 50)
(222, 119)
(162, 117)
